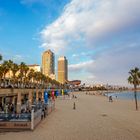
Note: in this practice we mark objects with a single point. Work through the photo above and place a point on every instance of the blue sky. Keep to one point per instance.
(100, 38)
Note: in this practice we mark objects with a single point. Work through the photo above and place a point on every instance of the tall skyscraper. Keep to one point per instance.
(62, 69)
(48, 63)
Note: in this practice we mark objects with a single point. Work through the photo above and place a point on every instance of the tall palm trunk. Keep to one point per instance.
(135, 96)
(1, 75)
(0, 57)
(0, 81)
(4, 79)
(14, 79)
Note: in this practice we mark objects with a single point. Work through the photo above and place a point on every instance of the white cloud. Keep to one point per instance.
(18, 58)
(90, 79)
(81, 54)
(75, 55)
(92, 20)
(83, 66)
(113, 65)
(81, 71)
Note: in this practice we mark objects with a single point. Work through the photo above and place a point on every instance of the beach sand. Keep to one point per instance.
(93, 119)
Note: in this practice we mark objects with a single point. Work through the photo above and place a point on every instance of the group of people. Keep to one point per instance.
(7, 108)
(110, 99)
(26, 110)
(73, 96)
(88, 93)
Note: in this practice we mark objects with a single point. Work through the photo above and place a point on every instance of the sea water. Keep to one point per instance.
(127, 95)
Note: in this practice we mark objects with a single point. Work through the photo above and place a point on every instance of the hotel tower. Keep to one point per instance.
(48, 63)
(62, 69)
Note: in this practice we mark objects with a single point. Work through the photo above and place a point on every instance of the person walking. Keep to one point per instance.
(74, 106)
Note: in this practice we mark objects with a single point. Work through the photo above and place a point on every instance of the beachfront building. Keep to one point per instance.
(35, 67)
(48, 64)
(62, 70)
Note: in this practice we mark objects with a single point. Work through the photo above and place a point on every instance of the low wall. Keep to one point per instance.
(15, 125)
(53, 106)
(36, 118)
(50, 107)
(23, 124)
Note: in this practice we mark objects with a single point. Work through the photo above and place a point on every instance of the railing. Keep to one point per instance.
(15, 117)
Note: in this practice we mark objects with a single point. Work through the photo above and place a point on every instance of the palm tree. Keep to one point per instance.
(43, 80)
(134, 79)
(0, 57)
(1, 74)
(31, 74)
(10, 63)
(23, 69)
(1, 71)
(14, 69)
(38, 77)
(26, 70)
(31, 77)
(5, 66)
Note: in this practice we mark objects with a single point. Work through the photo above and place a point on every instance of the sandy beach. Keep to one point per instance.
(94, 119)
